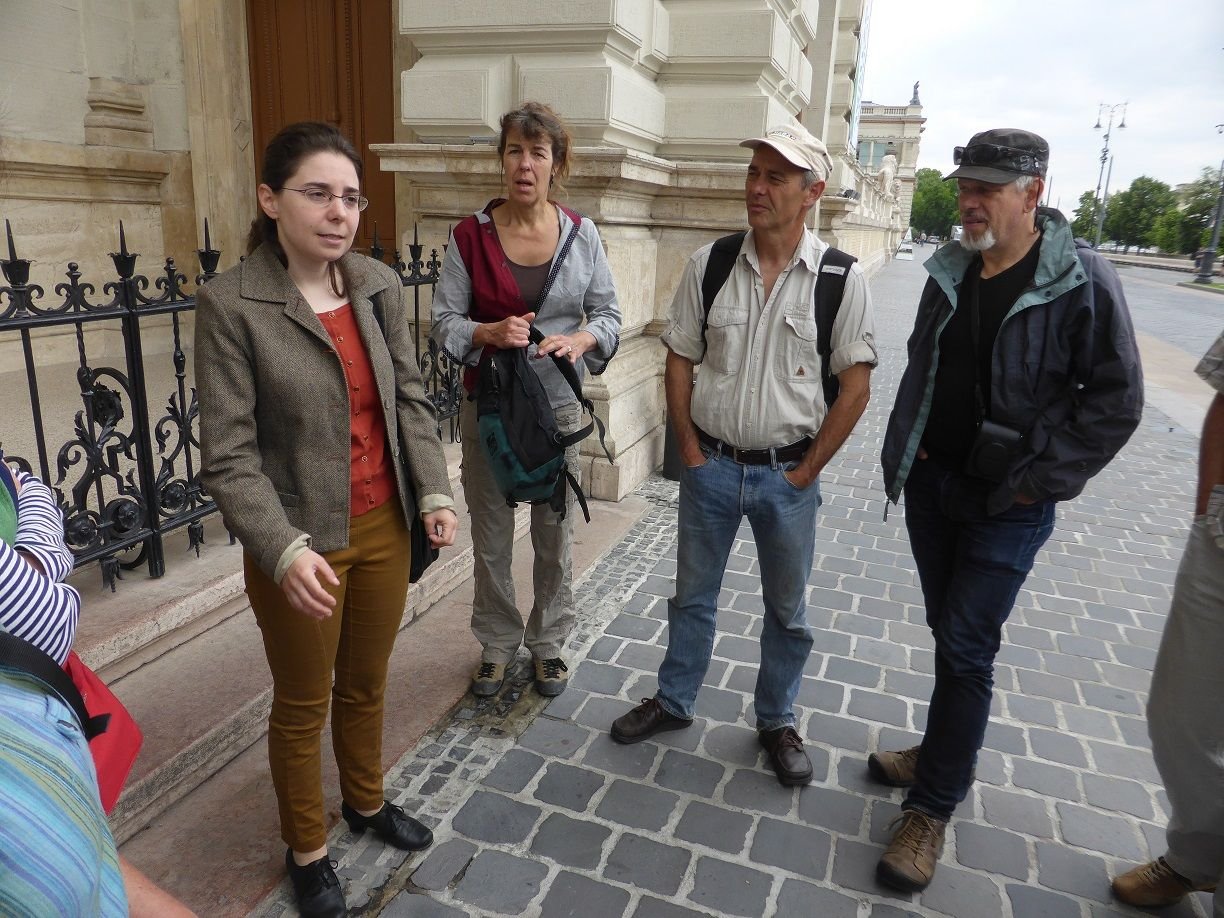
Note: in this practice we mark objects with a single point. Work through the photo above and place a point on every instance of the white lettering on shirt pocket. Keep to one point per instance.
(798, 356)
(726, 337)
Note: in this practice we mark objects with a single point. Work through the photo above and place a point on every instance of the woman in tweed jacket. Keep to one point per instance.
(315, 435)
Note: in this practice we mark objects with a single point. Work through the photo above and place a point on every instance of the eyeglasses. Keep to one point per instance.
(992, 154)
(321, 198)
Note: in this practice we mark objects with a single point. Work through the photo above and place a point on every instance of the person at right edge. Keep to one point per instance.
(1185, 714)
(1023, 382)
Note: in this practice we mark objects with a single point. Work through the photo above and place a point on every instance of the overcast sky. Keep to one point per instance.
(1045, 65)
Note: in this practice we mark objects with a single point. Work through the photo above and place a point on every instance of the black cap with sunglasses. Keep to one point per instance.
(1001, 155)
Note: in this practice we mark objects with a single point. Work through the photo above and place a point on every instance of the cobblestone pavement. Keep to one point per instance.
(537, 812)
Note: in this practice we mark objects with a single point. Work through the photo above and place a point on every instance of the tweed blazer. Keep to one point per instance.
(274, 405)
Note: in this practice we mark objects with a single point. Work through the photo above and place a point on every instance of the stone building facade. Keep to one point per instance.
(895, 129)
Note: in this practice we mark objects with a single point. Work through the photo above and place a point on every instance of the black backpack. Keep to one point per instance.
(830, 287)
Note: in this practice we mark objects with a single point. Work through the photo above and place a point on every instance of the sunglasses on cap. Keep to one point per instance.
(992, 154)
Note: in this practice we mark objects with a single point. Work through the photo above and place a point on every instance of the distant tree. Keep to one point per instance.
(934, 209)
(1131, 215)
(1167, 232)
(1084, 224)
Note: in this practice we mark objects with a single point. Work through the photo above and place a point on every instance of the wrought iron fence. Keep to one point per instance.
(124, 478)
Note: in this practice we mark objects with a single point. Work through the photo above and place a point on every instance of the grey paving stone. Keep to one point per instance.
(632, 760)
(878, 707)
(715, 827)
(603, 678)
(745, 650)
(735, 745)
(650, 907)
(881, 910)
(962, 894)
(493, 818)
(599, 712)
(792, 847)
(641, 862)
(1087, 828)
(1134, 731)
(831, 809)
(864, 586)
(415, 905)
(888, 609)
(911, 685)
(1058, 747)
(445, 862)
(573, 896)
(638, 805)
(568, 786)
(1031, 902)
(1124, 762)
(746, 620)
(990, 849)
(1045, 685)
(633, 626)
(501, 882)
(514, 771)
(742, 678)
(604, 649)
(854, 672)
(639, 602)
(1113, 699)
(720, 705)
(797, 899)
(854, 867)
(835, 643)
(1067, 870)
(1025, 636)
(819, 694)
(565, 705)
(1019, 656)
(1005, 738)
(1031, 710)
(1051, 780)
(664, 587)
(573, 842)
(842, 732)
(553, 738)
(729, 888)
(1018, 812)
(1089, 723)
(1116, 794)
(838, 600)
(860, 625)
(755, 790)
(690, 774)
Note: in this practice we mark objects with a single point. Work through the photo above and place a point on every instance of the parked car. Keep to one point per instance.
(905, 251)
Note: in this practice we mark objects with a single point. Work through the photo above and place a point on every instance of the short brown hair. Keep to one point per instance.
(534, 120)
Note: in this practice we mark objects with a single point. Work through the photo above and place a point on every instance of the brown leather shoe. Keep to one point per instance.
(909, 861)
(1153, 885)
(644, 721)
(790, 763)
(896, 769)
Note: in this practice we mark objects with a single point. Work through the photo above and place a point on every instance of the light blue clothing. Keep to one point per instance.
(57, 854)
(714, 499)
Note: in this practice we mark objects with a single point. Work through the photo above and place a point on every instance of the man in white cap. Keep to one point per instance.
(757, 429)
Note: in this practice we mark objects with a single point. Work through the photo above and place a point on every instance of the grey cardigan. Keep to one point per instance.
(274, 407)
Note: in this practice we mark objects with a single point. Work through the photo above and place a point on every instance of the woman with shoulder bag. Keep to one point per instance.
(318, 445)
(498, 263)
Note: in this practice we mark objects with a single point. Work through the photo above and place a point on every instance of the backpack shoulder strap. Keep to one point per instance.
(718, 268)
(830, 289)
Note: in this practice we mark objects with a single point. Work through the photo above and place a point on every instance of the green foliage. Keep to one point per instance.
(1084, 224)
(934, 210)
(1131, 215)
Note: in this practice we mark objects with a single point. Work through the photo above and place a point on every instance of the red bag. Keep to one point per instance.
(114, 751)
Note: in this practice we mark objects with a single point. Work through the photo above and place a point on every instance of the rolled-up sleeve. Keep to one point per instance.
(854, 328)
(452, 329)
(40, 528)
(684, 333)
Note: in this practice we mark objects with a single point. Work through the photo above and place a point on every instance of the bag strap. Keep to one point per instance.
(24, 657)
(830, 289)
(718, 268)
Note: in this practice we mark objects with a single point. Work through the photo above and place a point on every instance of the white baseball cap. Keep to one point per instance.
(798, 147)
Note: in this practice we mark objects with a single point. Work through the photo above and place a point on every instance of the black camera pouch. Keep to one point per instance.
(992, 452)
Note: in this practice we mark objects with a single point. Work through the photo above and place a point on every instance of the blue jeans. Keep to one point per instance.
(971, 566)
(714, 499)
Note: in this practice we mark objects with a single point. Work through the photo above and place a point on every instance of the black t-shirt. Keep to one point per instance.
(953, 422)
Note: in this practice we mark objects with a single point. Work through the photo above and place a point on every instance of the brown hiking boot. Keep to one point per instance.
(1153, 885)
(909, 861)
(895, 769)
(551, 676)
(488, 678)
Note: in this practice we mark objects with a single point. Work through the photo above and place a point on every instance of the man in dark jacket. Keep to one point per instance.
(1023, 382)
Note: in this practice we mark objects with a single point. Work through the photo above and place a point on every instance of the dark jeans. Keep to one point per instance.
(971, 567)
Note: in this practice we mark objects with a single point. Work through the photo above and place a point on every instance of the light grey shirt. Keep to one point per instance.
(759, 384)
(582, 292)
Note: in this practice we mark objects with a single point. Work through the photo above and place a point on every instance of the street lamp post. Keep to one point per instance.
(1100, 202)
(1208, 260)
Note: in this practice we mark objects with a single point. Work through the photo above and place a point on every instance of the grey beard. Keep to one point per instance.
(981, 244)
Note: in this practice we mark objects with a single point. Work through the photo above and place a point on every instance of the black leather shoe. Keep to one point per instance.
(644, 721)
(392, 825)
(316, 888)
(790, 763)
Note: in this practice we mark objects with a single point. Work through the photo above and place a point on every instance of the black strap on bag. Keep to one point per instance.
(23, 657)
(827, 297)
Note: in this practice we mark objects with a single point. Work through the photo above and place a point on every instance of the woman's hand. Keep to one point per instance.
(569, 346)
(508, 333)
(442, 525)
(303, 589)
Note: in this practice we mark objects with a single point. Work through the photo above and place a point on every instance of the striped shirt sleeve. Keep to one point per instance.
(37, 607)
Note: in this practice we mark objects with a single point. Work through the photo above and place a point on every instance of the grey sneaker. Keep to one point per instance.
(488, 679)
(551, 676)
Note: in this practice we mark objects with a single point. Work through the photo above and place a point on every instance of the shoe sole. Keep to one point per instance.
(550, 689)
(794, 780)
(630, 740)
(881, 776)
(484, 691)
(897, 880)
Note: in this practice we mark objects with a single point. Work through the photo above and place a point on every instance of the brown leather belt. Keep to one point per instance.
(789, 453)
